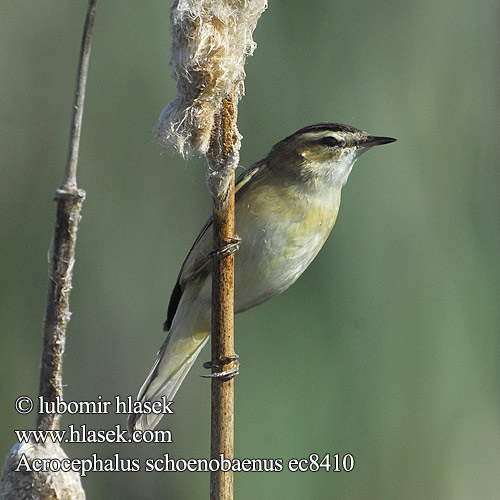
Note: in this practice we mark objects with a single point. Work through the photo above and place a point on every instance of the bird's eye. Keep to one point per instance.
(329, 141)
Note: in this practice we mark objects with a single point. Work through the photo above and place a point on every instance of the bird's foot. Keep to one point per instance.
(232, 246)
(226, 374)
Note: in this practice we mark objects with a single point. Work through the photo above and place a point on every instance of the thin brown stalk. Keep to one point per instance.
(69, 203)
(223, 155)
(210, 42)
(35, 483)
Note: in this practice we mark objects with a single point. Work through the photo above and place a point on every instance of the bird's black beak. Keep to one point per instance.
(377, 141)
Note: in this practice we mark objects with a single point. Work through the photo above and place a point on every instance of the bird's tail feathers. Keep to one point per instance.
(174, 360)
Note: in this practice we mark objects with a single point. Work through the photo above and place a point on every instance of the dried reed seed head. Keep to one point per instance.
(210, 42)
(22, 481)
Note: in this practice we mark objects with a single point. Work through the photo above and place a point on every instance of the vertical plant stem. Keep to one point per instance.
(222, 440)
(57, 312)
(223, 155)
(210, 42)
(69, 202)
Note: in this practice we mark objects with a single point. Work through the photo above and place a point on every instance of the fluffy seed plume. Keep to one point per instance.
(210, 42)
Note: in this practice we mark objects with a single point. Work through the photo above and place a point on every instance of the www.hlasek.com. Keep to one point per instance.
(82, 434)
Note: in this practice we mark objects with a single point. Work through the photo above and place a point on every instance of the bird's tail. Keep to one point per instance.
(174, 360)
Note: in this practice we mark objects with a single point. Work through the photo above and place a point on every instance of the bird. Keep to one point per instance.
(285, 208)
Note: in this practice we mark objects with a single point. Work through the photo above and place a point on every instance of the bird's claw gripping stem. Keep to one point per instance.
(233, 245)
(223, 360)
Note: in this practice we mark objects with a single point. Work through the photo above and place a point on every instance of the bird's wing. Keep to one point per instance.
(198, 264)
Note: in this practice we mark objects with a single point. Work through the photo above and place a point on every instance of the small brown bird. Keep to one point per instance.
(286, 206)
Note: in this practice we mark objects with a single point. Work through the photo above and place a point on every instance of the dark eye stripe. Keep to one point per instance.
(329, 141)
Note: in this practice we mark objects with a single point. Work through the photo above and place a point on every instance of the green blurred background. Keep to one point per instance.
(387, 348)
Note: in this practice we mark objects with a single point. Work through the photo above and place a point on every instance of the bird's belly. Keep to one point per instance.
(276, 249)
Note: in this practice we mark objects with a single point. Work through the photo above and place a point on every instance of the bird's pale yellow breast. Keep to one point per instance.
(282, 229)
(298, 214)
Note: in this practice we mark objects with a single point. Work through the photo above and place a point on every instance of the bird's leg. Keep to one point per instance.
(233, 245)
(223, 360)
